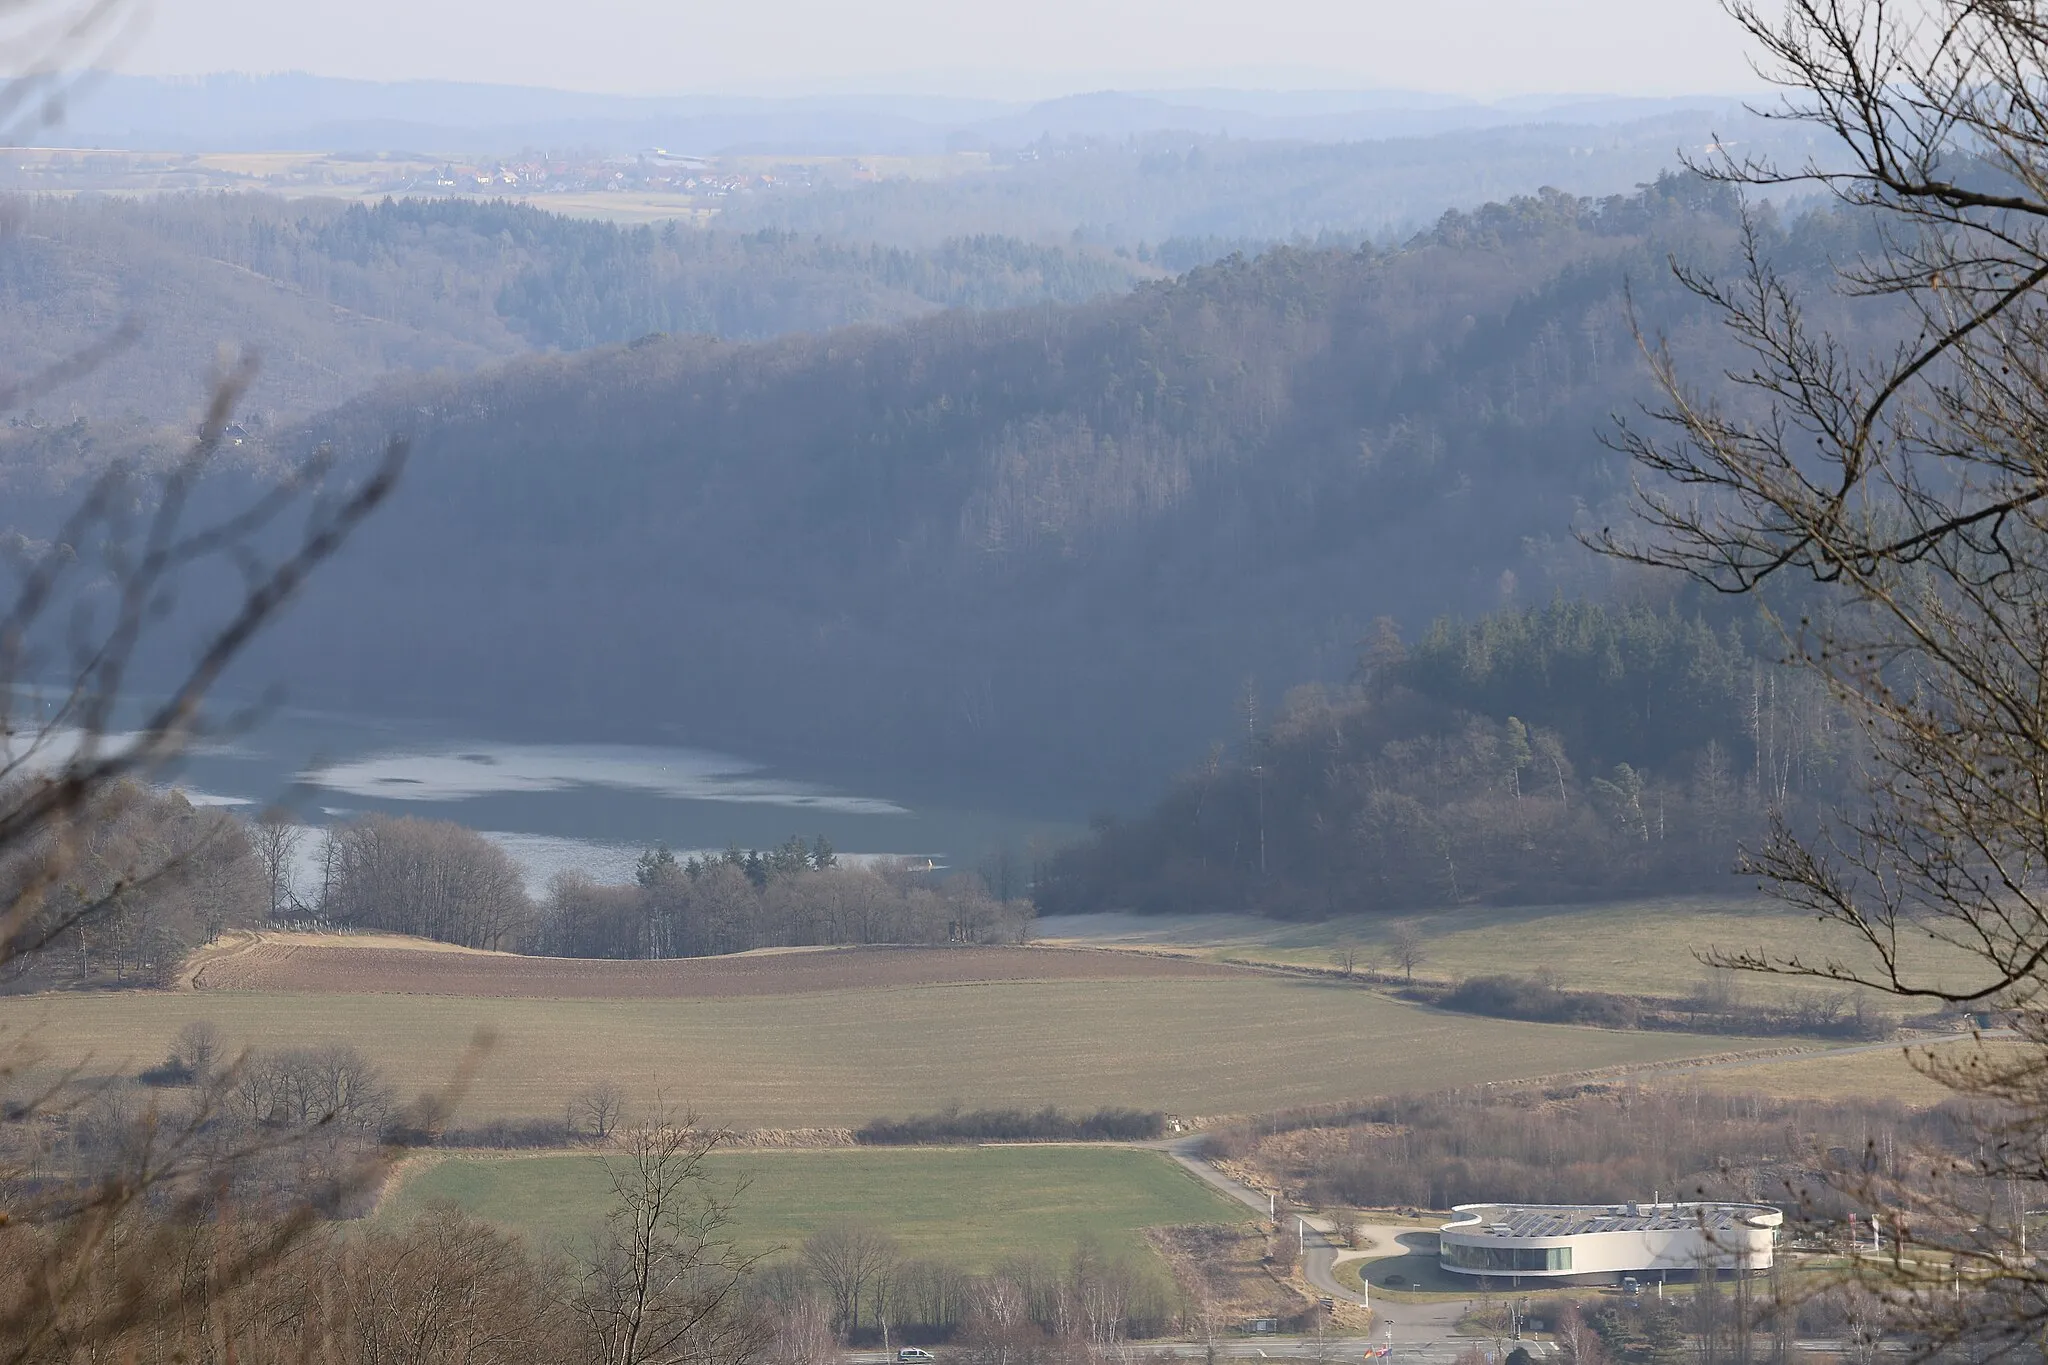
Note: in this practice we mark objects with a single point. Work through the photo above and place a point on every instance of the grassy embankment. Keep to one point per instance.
(1644, 947)
(1886, 1073)
(973, 1205)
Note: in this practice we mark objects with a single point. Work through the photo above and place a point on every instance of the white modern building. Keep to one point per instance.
(1607, 1243)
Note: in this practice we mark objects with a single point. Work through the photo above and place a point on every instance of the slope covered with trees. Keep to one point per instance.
(1570, 752)
(1045, 548)
(334, 296)
(1036, 552)
(98, 920)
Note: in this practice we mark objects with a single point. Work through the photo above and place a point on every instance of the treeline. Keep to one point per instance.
(1050, 1124)
(1714, 1007)
(298, 1125)
(182, 1233)
(1571, 751)
(1592, 1143)
(148, 878)
(852, 1282)
(439, 880)
(442, 1290)
(446, 1288)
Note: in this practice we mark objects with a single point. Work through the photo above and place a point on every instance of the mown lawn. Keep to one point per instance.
(973, 1205)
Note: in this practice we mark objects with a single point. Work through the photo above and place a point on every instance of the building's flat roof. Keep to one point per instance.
(1515, 1220)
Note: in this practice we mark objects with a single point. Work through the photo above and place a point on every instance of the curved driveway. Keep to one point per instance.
(1412, 1322)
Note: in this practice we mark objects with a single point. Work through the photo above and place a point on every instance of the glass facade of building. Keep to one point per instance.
(1506, 1260)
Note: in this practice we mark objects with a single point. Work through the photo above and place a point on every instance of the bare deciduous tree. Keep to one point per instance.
(1896, 498)
(596, 1108)
(430, 878)
(1405, 948)
(800, 1332)
(197, 1049)
(276, 838)
(847, 1258)
(661, 1285)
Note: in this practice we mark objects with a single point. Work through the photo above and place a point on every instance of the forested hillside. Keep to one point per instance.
(1036, 553)
(334, 296)
(1570, 752)
(1044, 547)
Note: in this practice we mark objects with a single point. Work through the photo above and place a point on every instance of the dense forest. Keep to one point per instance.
(333, 296)
(1574, 751)
(1040, 550)
(1035, 552)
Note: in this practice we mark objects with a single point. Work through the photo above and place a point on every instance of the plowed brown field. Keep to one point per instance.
(303, 964)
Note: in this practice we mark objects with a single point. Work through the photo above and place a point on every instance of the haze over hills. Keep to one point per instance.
(1044, 542)
(1195, 198)
(335, 299)
(1042, 549)
(332, 297)
(295, 112)
(999, 654)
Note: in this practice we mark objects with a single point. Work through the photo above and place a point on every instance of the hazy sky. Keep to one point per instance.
(1016, 48)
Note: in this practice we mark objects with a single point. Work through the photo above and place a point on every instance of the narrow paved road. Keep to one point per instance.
(1331, 1350)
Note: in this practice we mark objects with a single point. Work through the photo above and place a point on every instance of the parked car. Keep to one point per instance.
(912, 1353)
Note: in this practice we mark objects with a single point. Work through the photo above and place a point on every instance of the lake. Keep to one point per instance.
(559, 804)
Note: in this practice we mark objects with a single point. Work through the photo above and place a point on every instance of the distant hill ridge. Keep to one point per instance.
(296, 111)
(334, 297)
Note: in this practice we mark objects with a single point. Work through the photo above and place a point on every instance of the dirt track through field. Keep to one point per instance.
(336, 967)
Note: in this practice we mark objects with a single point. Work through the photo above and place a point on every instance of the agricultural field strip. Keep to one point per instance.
(1647, 948)
(304, 964)
(1233, 1043)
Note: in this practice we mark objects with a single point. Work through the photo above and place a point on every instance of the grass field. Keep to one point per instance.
(1635, 947)
(973, 1205)
(1885, 1074)
(1192, 1046)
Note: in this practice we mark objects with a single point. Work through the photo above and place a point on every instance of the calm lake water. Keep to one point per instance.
(564, 805)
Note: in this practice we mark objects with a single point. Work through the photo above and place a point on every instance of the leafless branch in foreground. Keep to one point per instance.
(1894, 503)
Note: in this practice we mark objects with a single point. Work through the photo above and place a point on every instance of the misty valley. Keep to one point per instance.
(868, 721)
